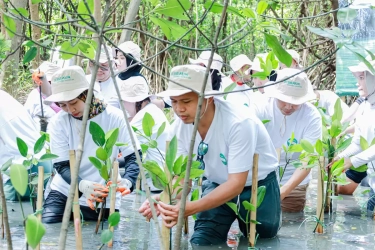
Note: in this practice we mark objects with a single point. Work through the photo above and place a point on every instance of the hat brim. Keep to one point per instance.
(169, 93)
(359, 68)
(240, 65)
(64, 96)
(137, 98)
(271, 91)
(197, 61)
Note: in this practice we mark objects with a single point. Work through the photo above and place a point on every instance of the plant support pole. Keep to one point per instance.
(39, 201)
(254, 198)
(76, 209)
(319, 203)
(113, 195)
(5, 214)
(166, 198)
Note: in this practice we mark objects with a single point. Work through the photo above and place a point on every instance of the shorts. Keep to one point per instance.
(355, 176)
(296, 200)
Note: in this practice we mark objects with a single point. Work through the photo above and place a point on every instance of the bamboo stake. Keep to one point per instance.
(254, 198)
(76, 209)
(5, 214)
(319, 203)
(330, 188)
(39, 201)
(138, 184)
(166, 198)
(113, 195)
(186, 225)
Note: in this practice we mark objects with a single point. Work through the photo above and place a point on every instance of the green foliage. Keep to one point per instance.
(229, 88)
(114, 219)
(261, 7)
(153, 168)
(106, 236)
(95, 162)
(39, 144)
(97, 133)
(30, 55)
(307, 146)
(19, 178)
(346, 15)
(10, 25)
(261, 192)
(174, 9)
(171, 153)
(233, 206)
(147, 124)
(248, 206)
(279, 51)
(35, 230)
(22, 147)
(48, 157)
(101, 154)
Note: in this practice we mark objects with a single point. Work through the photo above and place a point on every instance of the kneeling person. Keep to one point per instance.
(229, 137)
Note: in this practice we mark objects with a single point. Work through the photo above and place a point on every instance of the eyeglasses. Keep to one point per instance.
(202, 151)
(91, 65)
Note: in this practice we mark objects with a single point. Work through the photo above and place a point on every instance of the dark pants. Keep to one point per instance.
(357, 177)
(212, 226)
(54, 206)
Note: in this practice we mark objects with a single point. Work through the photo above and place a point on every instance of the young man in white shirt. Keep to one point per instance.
(228, 138)
(354, 156)
(289, 111)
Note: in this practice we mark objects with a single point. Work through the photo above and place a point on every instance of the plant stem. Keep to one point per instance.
(181, 215)
(100, 216)
(5, 214)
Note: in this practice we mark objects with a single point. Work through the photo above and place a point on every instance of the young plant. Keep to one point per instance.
(107, 234)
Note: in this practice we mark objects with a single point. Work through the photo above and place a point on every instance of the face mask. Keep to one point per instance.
(370, 84)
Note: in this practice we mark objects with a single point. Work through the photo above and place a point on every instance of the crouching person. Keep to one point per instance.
(69, 91)
(225, 144)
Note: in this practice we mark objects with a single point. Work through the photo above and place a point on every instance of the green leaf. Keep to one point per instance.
(233, 206)
(323, 32)
(307, 146)
(335, 128)
(170, 29)
(337, 164)
(319, 147)
(144, 148)
(104, 172)
(6, 165)
(10, 25)
(255, 222)
(68, 47)
(153, 144)
(174, 9)
(346, 15)
(229, 88)
(106, 236)
(112, 138)
(95, 162)
(261, 193)
(342, 146)
(333, 197)
(34, 230)
(39, 144)
(48, 157)
(35, 1)
(97, 134)
(154, 168)
(82, 9)
(195, 173)
(19, 178)
(22, 147)
(161, 129)
(280, 52)
(177, 166)
(170, 156)
(218, 8)
(20, 12)
(87, 49)
(147, 124)
(248, 206)
(337, 115)
(101, 154)
(114, 219)
(121, 144)
(363, 60)
(295, 148)
(265, 121)
(30, 55)
(338, 171)
(194, 195)
(261, 7)
(363, 142)
(247, 12)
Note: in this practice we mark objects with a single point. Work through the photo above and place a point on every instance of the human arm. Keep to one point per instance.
(131, 170)
(350, 113)
(298, 176)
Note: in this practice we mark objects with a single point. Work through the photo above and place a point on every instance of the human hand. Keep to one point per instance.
(93, 192)
(332, 162)
(123, 186)
(145, 209)
(347, 163)
(37, 77)
(169, 213)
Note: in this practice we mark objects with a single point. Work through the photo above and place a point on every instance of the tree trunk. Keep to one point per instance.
(9, 69)
(35, 31)
(334, 6)
(97, 16)
(129, 18)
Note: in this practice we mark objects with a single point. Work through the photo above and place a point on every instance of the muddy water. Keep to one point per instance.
(348, 228)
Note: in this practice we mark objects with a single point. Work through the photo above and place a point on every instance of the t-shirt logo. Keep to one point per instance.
(223, 159)
(291, 143)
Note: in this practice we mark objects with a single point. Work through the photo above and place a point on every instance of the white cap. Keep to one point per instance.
(296, 90)
(217, 61)
(191, 76)
(103, 56)
(131, 48)
(67, 84)
(48, 69)
(133, 89)
(239, 61)
(361, 67)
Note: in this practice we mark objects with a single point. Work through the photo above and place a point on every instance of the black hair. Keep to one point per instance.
(138, 105)
(273, 76)
(215, 79)
(133, 71)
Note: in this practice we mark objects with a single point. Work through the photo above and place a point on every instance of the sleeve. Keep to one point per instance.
(241, 149)
(132, 168)
(124, 137)
(59, 140)
(363, 157)
(63, 168)
(313, 132)
(355, 147)
(360, 100)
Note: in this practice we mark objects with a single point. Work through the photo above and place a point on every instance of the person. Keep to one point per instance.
(256, 68)
(327, 100)
(137, 93)
(15, 122)
(354, 156)
(225, 144)
(295, 60)
(240, 66)
(34, 103)
(288, 110)
(104, 86)
(70, 90)
(218, 79)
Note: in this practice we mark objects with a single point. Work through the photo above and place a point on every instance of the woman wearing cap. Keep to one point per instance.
(354, 156)
(226, 141)
(33, 103)
(256, 68)
(69, 90)
(289, 111)
(137, 93)
(295, 62)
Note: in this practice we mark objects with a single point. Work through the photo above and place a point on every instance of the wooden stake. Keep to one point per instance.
(113, 195)
(186, 226)
(165, 197)
(330, 188)
(5, 214)
(254, 197)
(39, 197)
(76, 209)
(319, 203)
(138, 183)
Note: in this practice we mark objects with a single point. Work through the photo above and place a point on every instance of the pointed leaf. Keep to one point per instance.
(195, 173)
(161, 130)
(319, 147)
(229, 88)
(342, 146)
(335, 128)
(97, 134)
(48, 157)
(19, 178)
(34, 230)
(363, 142)
(195, 195)
(261, 7)
(218, 8)
(101, 154)
(20, 12)
(261, 193)
(112, 138)
(338, 171)
(147, 124)
(174, 9)
(67, 46)
(154, 168)
(10, 25)
(177, 166)
(247, 12)
(22, 147)
(363, 60)
(248, 206)
(337, 164)
(114, 219)
(233, 206)
(346, 15)
(280, 52)
(95, 162)
(104, 172)
(6, 165)
(30, 55)
(106, 236)
(39, 144)
(307, 146)
(337, 115)
(170, 156)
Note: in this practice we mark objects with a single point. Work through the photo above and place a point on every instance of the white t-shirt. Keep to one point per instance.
(225, 82)
(306, 124)
(32, 106)
(106, 91)
(159, 117)
(241, 98)
(15, 122)
(233, 138)
(327, 101)
(65, 134)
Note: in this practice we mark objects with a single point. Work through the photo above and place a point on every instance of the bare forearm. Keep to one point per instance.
(298, 176)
